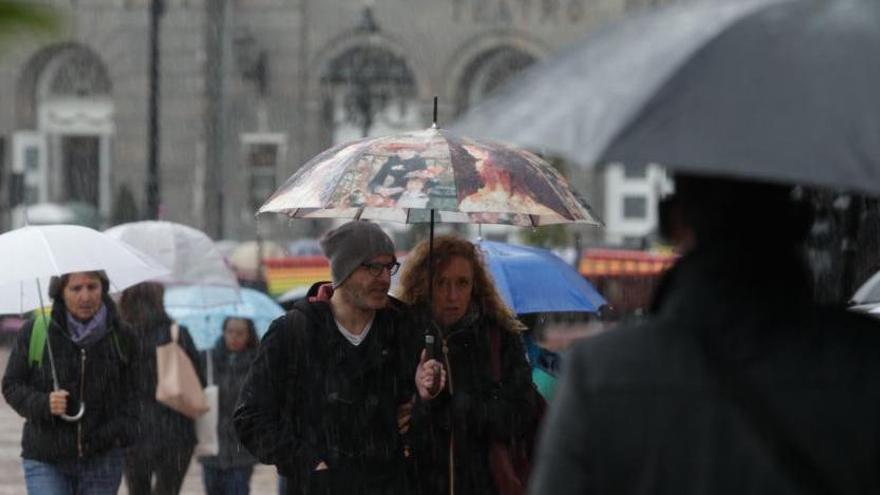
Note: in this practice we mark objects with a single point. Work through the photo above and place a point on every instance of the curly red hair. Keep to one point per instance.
(413, 284)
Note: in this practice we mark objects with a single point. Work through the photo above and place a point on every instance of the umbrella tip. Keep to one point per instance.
(434, 125)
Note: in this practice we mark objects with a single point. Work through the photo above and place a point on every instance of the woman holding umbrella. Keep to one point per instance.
(164, 446)
(80, 403)
(476, 409)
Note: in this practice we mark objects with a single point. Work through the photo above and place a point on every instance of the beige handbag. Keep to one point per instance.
(178, 385)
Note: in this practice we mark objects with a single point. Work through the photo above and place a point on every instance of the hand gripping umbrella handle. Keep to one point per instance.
(78, 416)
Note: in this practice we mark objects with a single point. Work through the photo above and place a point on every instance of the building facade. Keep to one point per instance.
(249, 90)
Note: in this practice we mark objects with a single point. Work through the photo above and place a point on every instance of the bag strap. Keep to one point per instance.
(209, 367)
(796, 465)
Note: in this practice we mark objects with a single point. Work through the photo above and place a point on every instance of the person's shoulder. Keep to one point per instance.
(397, 309)
(300, 321)
(848, 328)
(629, 352)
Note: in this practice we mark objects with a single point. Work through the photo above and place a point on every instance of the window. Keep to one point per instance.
(635, 207)
(262, 155)
(635, 171)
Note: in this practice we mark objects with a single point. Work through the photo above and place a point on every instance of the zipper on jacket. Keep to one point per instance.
(82, 391)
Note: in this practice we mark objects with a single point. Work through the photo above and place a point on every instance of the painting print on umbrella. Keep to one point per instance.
(404, 178)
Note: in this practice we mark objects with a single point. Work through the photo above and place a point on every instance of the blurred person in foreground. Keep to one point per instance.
(322, 396)
(229, 472)
(96, 362)
(472, 410)
(738, 382)
(158, 460)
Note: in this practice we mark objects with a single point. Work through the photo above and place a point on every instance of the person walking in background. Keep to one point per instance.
(229, 472)
(322, 397)
(158, 460)
(475, 409)
(738, 383)
(96, 359)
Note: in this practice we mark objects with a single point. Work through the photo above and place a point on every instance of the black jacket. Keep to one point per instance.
(107, 386)
(161, 427)
(229, 370)
(312, 396)
(477, 412)
(641, 409)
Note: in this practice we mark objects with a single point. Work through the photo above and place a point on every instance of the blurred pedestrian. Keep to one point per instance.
(95, 357)
(474, 410)
(738, 383)
(229, 472)
(322, 396)
(157, 462)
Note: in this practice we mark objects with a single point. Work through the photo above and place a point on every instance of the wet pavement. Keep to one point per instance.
(264, 480)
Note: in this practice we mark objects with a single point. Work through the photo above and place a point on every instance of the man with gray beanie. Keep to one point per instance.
(321, 399)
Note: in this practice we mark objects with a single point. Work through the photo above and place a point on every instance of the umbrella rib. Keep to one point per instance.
(48, 250)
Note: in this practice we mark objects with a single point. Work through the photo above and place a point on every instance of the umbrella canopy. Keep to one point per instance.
(404, 177)
(206, 324)
(247, 256)
(780, 90)
(32, 255)
(534, 280)
(869, 292)
(188, 253)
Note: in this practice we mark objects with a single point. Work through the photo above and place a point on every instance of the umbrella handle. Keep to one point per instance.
(76, 417)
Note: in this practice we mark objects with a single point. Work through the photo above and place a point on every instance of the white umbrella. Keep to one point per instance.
(188, 253)
(31, 255)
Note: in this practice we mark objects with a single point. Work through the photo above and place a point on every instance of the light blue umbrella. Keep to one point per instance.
(205, 324)
(534, 280)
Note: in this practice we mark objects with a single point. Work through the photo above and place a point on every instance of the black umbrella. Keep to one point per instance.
(781, 90)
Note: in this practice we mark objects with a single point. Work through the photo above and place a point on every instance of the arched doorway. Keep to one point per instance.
(368, 90)
(487, 72)
(65, 156)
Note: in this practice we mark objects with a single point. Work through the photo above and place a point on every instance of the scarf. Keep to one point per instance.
(86, 333)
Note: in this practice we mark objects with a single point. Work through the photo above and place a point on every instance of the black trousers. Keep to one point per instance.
(168, 469)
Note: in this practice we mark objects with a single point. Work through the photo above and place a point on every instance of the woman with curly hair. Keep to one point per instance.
(452, 432)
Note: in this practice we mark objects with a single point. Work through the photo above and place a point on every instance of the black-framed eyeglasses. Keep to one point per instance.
(376, 269)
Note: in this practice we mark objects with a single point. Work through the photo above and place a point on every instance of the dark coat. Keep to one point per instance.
(161, 428)
(478, 411)
(311, 396)
(229, 370)
(649, 408)
(101, 374)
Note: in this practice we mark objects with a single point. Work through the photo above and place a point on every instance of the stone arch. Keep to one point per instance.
(487, 62)
(333, 68)
(64, 69)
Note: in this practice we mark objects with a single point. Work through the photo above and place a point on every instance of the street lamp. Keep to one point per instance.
(369, 77)
(157, 9)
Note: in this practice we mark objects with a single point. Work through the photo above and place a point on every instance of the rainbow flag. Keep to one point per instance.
(284, 274)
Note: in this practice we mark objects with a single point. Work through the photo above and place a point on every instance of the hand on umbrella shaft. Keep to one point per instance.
(430, 377)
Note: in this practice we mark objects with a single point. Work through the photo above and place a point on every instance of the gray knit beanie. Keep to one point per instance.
(352, 244)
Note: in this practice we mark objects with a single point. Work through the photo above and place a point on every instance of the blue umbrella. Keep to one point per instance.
(205, 324)
(534, 280)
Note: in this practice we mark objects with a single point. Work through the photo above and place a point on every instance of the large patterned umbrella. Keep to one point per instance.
(407, 177)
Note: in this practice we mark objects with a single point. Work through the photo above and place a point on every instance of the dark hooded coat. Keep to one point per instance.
(738, 384)
(477, 412)
(102, 374)
(312, 396)
(161, 428)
